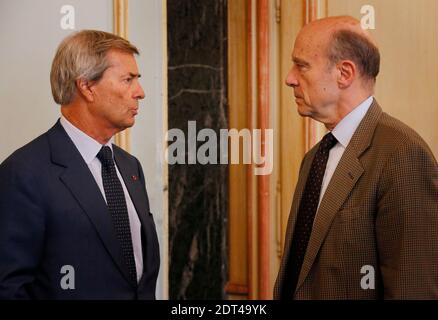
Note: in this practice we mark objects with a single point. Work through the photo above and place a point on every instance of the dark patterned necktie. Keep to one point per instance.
(306, 215)
(115, 199)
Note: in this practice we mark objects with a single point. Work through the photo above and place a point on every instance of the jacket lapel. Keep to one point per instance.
(345, 177)
(299, 189)
(79, 180)
(134, 185)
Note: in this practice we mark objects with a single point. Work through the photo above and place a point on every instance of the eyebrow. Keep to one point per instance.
(300, 61)
(133, 75)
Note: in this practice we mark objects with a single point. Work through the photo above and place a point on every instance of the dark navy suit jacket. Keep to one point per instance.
(53, 214)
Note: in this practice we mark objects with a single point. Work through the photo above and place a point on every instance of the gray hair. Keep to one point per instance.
(83, 55)
(346, 44)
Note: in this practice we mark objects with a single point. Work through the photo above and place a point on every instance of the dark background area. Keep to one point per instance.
(198, 206)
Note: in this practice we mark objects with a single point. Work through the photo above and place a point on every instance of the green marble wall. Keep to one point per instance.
(198, 204)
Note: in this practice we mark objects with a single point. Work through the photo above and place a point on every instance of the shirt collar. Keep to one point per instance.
(345, 129)
(87, 146)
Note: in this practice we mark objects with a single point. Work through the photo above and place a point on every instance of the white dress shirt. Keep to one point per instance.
(89, 148)
(343, 132)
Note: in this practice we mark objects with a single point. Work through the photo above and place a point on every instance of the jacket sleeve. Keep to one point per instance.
(407, 224)
(21, 229)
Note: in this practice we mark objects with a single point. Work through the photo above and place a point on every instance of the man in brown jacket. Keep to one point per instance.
(364, 217)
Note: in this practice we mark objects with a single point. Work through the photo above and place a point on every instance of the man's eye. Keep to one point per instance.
(128, 80)
(301, 67)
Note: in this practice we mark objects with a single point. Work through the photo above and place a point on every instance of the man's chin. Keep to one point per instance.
(130, 122)
(303, 110)
(126, 124)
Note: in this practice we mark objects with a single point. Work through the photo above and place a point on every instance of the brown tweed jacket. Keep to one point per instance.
(380, 209)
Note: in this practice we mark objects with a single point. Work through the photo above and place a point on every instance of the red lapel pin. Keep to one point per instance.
(134, 177)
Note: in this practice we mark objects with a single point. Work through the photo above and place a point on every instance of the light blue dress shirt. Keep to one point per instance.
(343, 132)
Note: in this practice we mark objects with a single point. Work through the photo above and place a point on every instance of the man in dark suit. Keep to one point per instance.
(364, 217)
(75, 221)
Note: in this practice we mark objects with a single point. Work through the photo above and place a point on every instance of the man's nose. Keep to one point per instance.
(139, 93)
(291, 79)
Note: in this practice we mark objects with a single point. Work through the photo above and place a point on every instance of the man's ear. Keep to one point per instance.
(347, 72)
(85, 90)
